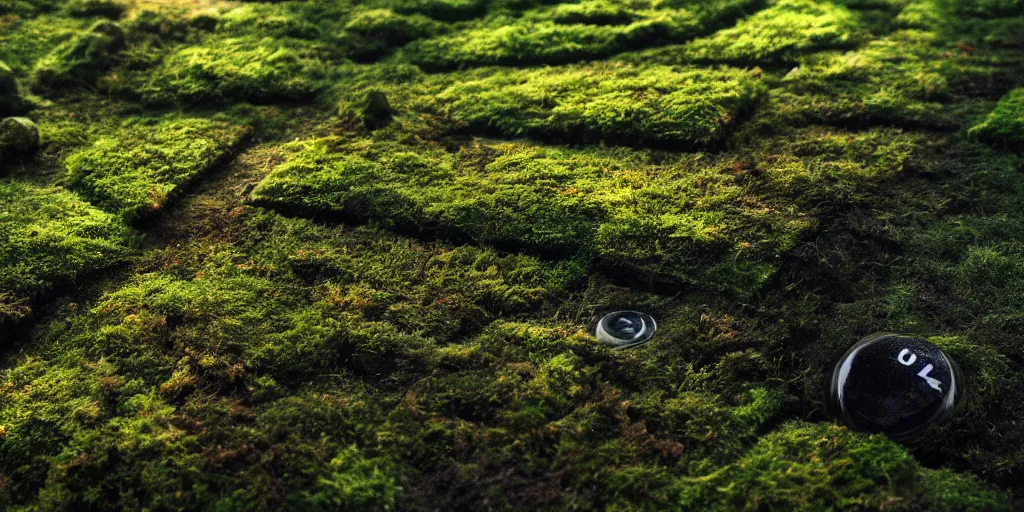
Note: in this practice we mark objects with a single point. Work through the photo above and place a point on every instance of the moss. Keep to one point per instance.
(53, 238)
(135, 173)
(10, 95)
(1005, 123)
(231, 69)
(29, 7)
(817, 166)
(378, 112)
(444, 10)
(264, 21)
(81, 60)
(112, 9)
(780, 33)
(371, 32)
(814, 467)
(25, 41)
(19, 138)
(986, 8)
(549, 201)
(616, 103)
(569, 33)
(880, 83)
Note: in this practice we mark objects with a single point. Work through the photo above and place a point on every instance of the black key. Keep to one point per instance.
(894, 384)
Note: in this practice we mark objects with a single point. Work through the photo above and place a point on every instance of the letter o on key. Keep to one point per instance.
(895, 384)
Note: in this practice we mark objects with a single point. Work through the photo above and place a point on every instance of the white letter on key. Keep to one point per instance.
(935, 383)
(909, 361)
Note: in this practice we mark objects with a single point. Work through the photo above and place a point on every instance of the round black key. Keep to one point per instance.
(894, 384)
(624, 329)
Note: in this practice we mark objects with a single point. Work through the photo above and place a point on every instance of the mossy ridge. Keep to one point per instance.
(79, 61)
(568, 33)
(29, 8)
(936, 261)
(565, 402)
(11, 101)
(135, 173)
(1004, 126)
(615, 103)
(779, 34)
(232, 69)
(806, 466)
(51, 238)
(877, 84)
(86, 430)
(233, 319)
(687, 219)
(201, 348)
(24, 41)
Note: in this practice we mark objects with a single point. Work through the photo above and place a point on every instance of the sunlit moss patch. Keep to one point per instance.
(231, 69)
(780, 33)
(51, 238)
(615, 103)
(572, 32)
(137, 171)
(668, 219)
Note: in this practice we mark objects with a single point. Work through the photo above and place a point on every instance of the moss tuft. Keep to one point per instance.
(615, 206)
(10, 96)
(52, 238)
(369, 33)
(615, 103)
(233, 69)
(816, 467)
(135, 173)
(81, 60)
(780, 34)
(570, 32)
(1005, 124)
(378, 112)
(112, 9)
(19, 138)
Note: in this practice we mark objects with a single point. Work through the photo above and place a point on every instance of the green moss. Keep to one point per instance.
(19, 138)
(817, 166)
(816, 467)
(780, 33)
(225, 329)
(1005, 124)
(24, 42)
(369, 33)
(29, 7)
(232, 69)
(53, 238)
(266, 20)
(616, 206)
(616, 103)
(880, 83)
(569, 33)
(444, 10)
(81, 60)
(113, 9)
(75, 435)
(10, 95)
(135, 173)
(985, 8)
(416, 336)
(378, 112)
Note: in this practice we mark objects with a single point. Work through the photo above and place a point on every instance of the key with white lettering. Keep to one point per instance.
(895, 384)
